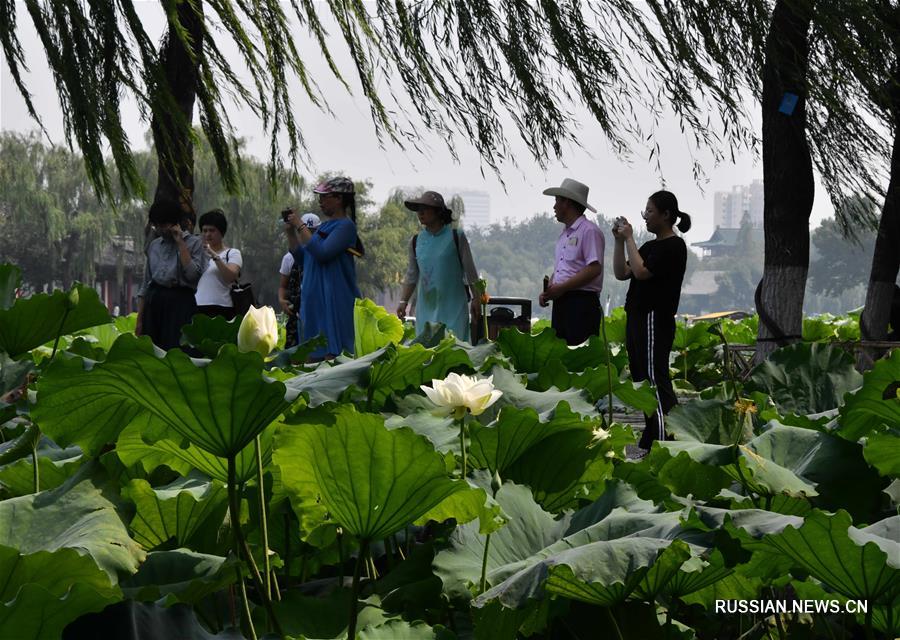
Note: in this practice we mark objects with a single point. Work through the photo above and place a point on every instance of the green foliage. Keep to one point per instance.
(374, 327)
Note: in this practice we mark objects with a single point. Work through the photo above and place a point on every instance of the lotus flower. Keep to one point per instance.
(457, 394)
(258, 331)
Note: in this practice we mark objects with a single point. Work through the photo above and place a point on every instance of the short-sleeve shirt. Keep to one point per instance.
(287, 263)
(667, 260)
(212, 290)
(579, 245)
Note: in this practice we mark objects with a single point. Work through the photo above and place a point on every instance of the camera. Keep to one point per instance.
(620, 222)
(285, 213)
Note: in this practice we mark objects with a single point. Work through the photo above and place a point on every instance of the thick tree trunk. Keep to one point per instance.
(886, 257)
(172, 129)
(787, 176)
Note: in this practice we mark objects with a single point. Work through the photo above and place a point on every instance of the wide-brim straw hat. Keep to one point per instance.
(428, 199)
(573, 190)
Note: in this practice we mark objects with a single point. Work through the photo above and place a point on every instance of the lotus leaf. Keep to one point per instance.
(180, 510)
(806, 378)
(31, 322)
(209, 333)
(858, 563)
(132, 451)
(876, 403)
(219, 405)
(77, 515)
(374, 327)
(180, 575)
(373, 481)
(882, 451)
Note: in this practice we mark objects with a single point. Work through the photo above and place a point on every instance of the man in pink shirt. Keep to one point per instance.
(578, 268)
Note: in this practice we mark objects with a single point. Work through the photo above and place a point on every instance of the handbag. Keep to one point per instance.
(241, 296)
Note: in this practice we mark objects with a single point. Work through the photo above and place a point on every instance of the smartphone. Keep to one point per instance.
(285, 213)
(546, 286)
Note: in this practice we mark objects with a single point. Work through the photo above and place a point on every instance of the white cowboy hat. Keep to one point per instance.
(573, 190)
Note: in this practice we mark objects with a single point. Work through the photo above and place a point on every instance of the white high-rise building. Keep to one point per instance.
(477, 208)
(730, 207)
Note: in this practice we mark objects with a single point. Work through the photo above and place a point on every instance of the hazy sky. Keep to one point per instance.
(347, 142)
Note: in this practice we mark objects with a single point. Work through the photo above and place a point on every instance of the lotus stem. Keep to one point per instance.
(37, 469)
(484, 559)
(462, 444)
(354, 598)
(389, 552)
(614, 623)
(267, 568)
(62, 323)
(608, 364)
(246, 619)
(240, 545)
(287, 550)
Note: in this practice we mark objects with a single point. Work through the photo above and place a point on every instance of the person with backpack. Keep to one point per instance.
(655, 272)
(328, 289)
(441, 268)
(214, 289)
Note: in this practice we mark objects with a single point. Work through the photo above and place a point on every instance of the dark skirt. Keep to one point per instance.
(166, 310)
(213, 310)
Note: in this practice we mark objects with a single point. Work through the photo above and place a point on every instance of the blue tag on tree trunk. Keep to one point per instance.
(788, 103)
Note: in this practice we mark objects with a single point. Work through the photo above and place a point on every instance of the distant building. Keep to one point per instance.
(119, 271)
(477, 208)
(698, 291)
(729, 207)
(724, 242)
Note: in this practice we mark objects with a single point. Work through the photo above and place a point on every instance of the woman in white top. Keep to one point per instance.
(214, 288)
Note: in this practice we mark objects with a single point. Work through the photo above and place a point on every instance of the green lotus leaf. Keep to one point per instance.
(857, 563)
(403, 630)
(219, 405)
(876, 403)
(21, 445)
(55, 466)
(465, 506)
(373, 481)
(498, 445)
(13, 373)
(132, 451)
(374, 327)
(604, 573)
(441, 431)
(56, 571)
(564, 471)
(711, 421)
(882, 451)
(806, 378)
(597, 381)
(515, 393)
(684, 469)
(180, 575)
(209, 333)
(33, 321)
(885, 620)
(37, 613)
(530, 353)
(529, 530)
(692, 336)
(181, 510)
(77, 515)
(10, 281)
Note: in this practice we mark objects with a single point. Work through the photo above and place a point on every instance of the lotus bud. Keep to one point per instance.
(72, 299)
(496, 482)
(258, 331)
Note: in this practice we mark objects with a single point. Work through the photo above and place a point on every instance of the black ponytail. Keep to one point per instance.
(348, 201)
(667, 203)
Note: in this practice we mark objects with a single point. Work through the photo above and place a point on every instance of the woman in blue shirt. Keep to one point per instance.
(328, 290)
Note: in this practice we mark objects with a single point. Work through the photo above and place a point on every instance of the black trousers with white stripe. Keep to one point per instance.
(648, 339)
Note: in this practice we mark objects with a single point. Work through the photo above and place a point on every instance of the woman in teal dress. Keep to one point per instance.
(441, 268)
(328, 291)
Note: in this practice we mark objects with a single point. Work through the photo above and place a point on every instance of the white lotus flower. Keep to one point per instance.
(457, 394)
(258, 331)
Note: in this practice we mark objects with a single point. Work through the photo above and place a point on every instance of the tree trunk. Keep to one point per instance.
(787, 176)
(886, 257)
(171, 128)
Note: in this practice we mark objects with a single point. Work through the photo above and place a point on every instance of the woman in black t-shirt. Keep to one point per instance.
(655, 271)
